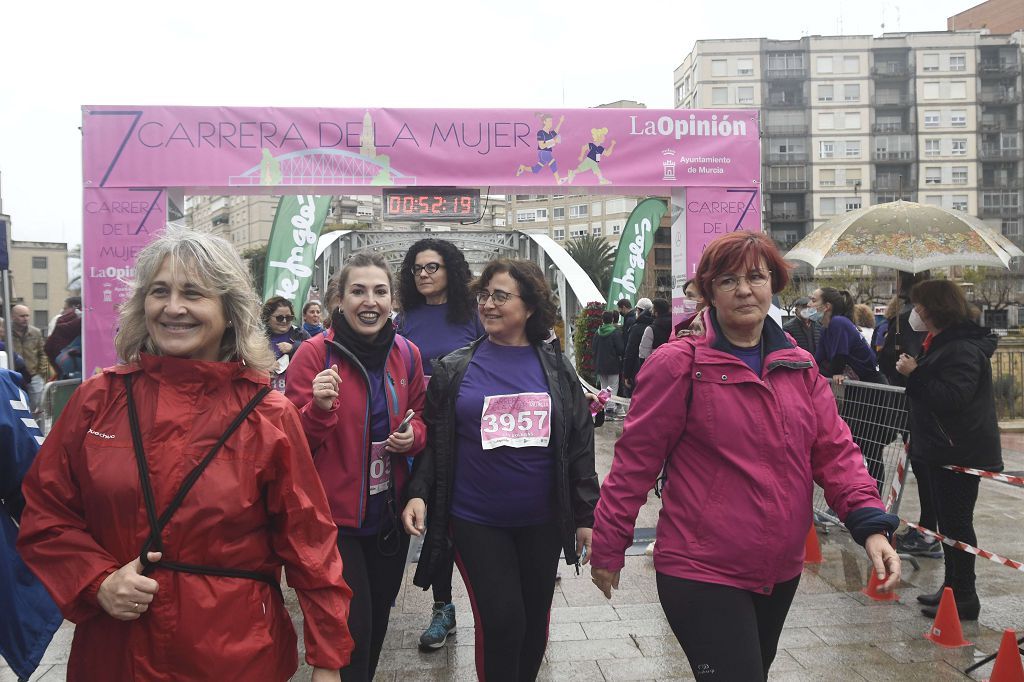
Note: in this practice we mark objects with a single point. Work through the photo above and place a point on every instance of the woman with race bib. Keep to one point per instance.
(508, 472)
(357, 389)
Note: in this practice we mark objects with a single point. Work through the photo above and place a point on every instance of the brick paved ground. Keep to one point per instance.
(833, 632)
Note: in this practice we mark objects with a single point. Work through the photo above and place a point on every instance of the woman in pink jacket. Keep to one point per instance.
(744, 424)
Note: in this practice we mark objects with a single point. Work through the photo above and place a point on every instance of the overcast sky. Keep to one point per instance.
(395, 53)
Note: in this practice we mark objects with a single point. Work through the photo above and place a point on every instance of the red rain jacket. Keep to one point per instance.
(340, 437)
(741, 453)
(259, 505)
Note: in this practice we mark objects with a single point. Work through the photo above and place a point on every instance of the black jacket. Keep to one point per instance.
(631, 359)
(952, 406)
(807, 337)
(608, 350)
(628, 320)
(899, 339)
(576, 487)
(662, 329)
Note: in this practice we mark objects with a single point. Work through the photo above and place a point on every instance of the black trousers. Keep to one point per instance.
(510, 576)
(727, 634)
(922, 472)
(375, 579)
(953, 497)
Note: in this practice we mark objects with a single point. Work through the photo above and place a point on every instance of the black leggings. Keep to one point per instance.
(922, 472)
(510, 575)
(953, 497)
(726, 633)
(375, 580)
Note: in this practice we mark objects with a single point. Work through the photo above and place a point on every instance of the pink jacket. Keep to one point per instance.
(740, 451)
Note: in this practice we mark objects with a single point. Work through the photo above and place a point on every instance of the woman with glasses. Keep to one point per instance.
(508, 473)
(439, 316)
(744, 425)
(277, 315)
(360, 393)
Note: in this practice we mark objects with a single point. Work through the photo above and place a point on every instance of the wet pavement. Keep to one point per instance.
(833, 632)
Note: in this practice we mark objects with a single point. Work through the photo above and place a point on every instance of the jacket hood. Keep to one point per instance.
(177, 370)
(606, 329)
(984, 338)
(645, 317)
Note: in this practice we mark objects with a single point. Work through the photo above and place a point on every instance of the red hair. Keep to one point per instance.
(736, 252)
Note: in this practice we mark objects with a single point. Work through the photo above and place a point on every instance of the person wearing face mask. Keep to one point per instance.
(277, 315)
(952, 422)
(805, 331)
(356, 389)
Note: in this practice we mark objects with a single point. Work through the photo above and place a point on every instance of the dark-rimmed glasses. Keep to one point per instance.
(430, 268)
(500, 297)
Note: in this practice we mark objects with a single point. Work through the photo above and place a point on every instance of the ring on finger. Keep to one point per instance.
(135, 607)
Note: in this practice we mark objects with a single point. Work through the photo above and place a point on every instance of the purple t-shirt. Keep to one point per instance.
(427, 326)
(750, 356)
(504, 476)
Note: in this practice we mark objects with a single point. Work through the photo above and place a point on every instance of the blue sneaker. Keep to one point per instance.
(442, 624)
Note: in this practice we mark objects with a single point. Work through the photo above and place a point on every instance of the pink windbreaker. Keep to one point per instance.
(740, 451)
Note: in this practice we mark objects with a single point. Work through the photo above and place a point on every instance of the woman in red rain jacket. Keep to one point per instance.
(193, 595)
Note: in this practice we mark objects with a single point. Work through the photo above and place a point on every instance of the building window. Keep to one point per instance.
(39, 263)
(1011, 227)
(853, 178)
(826, 121)
(851, 64)
(578, 211)
(853, 149)
(958, 118)
(826, 93)
(578, 232)
(852, 203)
(932, 175)
(934, 200)
(745, 95)
(828, 206)
(932, 147)
(931, 118)
(931, 90)
(958, 90)
(526, 216)
(960, 146)
(616, 228)
(596, 230)
(852, 120)
(959, 202)
(542, 214)
(827, 177)
(827, 150)
(39, 291)
(959, 175)
(719, 95)
(744, 67)
(558, 233)
(851, 92)
(957, 62)
(824, 64)
(719, 67)
(930, 62)
(558, 213)
(41, 318)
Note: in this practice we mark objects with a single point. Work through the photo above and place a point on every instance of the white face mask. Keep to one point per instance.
(916, 323)
(689, 306)
(806, 313)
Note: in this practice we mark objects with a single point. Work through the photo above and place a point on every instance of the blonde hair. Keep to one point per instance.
(862, 316)
(214, 263)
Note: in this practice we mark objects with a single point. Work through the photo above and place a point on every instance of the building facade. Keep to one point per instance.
(849, 121)
(39, 279)
(998, 16)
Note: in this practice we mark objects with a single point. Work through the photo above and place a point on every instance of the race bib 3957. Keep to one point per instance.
(519, 420)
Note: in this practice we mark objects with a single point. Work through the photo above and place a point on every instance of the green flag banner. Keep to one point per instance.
(292, 247)
(635, 244)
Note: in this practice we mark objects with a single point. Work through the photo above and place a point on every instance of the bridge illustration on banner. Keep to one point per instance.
(323, 167)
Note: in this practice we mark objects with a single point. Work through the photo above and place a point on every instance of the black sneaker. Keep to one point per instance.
(442, 624)
(917, 544)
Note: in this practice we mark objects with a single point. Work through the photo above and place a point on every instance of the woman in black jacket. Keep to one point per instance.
(508, 471)
(952, 421)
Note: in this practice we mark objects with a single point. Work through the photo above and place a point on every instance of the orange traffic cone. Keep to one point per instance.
(812, 548)
(946, 630)
(1008, 667)
(872, 589)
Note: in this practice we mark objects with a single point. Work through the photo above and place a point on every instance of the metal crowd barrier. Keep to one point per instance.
(877, 417)
(55, 396)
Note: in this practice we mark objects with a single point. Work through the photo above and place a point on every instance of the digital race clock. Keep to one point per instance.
(431, 203)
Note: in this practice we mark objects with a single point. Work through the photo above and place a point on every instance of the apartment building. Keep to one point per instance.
(849, 121)
(39, 278)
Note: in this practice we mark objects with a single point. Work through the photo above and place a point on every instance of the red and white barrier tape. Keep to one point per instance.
(1005, 478)
(967, 548)
(897, 482)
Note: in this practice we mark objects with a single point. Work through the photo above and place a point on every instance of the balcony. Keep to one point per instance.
(786, 74)
(890, 70)
(787, 158)
(901, 128)
(998, 69)
(1001, 125)
(887, 155)
(887, 197)
(999, 96)
(787, 185)
(1000, 211)
(891, 184)
(987, 153)
(892, 100)
(790, 214)
(1001, 185)
(786, 130)
(780, 100)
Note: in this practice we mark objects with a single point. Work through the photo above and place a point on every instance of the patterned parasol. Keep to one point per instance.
(907, 236)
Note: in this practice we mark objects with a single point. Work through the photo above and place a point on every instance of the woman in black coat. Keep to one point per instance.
(952, 421)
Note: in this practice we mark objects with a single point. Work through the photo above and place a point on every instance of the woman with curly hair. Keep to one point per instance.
(508, 471)
(439, 316)
(277, 315)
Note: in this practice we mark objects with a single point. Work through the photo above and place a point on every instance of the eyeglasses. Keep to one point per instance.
(754, 279)
(500, 297)
(431, 268)
(284, 318)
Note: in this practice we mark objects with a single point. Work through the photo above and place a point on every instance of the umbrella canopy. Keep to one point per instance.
(907, 236)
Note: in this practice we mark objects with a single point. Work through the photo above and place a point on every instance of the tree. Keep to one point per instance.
(256, 257)
(596, 256)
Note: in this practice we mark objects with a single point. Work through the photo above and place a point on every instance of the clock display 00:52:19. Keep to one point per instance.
(432, 205)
